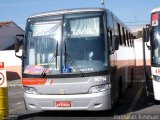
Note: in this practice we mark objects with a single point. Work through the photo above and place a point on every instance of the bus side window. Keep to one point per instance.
(127, 38)
(130, 40)
(119, 34)
(124, 38)
(110, 32)
(109, 36)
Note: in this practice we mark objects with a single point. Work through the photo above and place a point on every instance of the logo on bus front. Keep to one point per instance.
(1, 65)
(155, 23)
(155, 18)
(62, 91)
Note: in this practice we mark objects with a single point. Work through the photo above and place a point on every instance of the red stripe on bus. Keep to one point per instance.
(33, 81)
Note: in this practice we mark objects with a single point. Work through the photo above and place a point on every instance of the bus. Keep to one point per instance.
(152, 34)
(75, 59)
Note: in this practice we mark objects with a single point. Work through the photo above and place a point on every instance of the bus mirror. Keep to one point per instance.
(18, 43)
(116, 42)
(146, 33)
(149, 47)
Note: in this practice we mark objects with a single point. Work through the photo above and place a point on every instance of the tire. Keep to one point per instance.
(132, 78)
(120, 88)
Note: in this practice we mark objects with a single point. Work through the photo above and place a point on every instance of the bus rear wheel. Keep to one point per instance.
(132, 78)
(120, 88)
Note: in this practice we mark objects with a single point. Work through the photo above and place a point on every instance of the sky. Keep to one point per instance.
(134, 13)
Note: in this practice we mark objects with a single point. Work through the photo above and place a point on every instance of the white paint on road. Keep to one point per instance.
(135, 100)
(16, 106)
(133, 104)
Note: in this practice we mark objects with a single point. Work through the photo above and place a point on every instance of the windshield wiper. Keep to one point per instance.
(43, 74)
(67, 56)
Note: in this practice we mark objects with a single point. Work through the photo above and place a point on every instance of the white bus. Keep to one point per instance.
(152, 34)
(75, 59)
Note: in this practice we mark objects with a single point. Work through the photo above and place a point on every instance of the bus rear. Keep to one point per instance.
(65, 61)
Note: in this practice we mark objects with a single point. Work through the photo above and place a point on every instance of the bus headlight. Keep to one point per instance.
(30, 90)
(99, 88)
(156, 78)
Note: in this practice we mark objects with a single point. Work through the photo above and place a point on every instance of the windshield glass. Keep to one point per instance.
(156, 45)
(85, 42)
(42, 39)
(155, 38)
(72, 43)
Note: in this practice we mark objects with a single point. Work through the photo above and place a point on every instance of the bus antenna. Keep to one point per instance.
(102, 3)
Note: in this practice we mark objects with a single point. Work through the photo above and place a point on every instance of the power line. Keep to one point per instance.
(137, 22)
(138, 25)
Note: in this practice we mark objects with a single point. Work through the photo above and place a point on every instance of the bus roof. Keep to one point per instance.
(67, 11)
(155, 10)
(77, 10)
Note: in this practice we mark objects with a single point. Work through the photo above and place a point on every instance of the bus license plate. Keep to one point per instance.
(63, 104)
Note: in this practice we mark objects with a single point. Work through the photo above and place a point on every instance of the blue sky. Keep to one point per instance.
(133, 12)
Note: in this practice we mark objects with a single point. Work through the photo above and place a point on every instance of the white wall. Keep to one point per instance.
(139, 50)
(8, 56)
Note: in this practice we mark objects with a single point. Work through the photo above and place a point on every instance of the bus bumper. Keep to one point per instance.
(89, 102)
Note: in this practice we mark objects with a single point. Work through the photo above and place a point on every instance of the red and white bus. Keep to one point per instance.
(152, 34)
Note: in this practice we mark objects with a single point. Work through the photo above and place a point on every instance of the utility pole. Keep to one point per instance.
(102, 3)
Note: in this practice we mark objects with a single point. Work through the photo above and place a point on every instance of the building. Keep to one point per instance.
(8, 31)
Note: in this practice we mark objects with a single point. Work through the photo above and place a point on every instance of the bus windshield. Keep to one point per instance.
(65, 44)
(156, 45)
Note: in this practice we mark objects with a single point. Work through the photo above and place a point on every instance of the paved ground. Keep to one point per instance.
(134, 104)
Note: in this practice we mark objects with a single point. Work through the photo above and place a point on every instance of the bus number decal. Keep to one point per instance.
(155, 71)
(100, 79)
